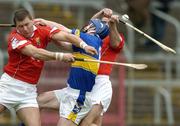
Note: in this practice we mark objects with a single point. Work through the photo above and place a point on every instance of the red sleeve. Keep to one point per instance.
(50, 31)
(121, 44)
(47, 31)
(53, 31)
(18, 42)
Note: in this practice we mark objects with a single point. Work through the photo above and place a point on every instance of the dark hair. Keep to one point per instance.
(20, 15)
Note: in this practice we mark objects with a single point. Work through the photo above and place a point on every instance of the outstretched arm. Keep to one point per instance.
(115, 38)
(51, 24)
(106, 12)
(42, 54)
(75, 40)
(64, 46)
(65, 36)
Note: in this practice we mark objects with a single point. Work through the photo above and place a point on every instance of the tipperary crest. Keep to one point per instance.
(77, 32)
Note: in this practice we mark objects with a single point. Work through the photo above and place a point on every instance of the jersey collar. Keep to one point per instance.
(34, 29)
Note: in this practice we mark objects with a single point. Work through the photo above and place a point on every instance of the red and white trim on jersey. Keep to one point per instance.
(22, 67)
(15, 43)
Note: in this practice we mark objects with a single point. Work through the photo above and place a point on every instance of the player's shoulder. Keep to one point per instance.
(14, 34)
(46, 29)
(13, 31)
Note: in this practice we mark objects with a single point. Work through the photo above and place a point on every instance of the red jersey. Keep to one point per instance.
(22, 67)
(109, 54)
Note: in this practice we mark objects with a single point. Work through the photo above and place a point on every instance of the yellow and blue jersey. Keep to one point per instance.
(82, 74)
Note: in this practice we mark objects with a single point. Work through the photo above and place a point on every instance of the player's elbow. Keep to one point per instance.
(30, 51)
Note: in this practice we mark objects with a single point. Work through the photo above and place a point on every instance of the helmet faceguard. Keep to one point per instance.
(100, 28)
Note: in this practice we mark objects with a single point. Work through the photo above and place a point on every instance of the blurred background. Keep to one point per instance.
(147, 97)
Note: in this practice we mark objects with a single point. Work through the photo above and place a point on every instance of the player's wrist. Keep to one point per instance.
(83, 45)
(59, 56)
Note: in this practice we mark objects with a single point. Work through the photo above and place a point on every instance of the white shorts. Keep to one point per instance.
(67, 97)
(102, 92)
(17, 94)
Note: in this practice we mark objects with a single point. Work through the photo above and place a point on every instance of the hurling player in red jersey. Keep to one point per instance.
(102, 90)
(26, 49)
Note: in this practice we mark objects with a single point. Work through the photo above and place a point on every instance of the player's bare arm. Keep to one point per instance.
(106, 12)
(115, 38)
(64, 45)
(75, 40)
(65, 34)
(45, 55)
(52, 24)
